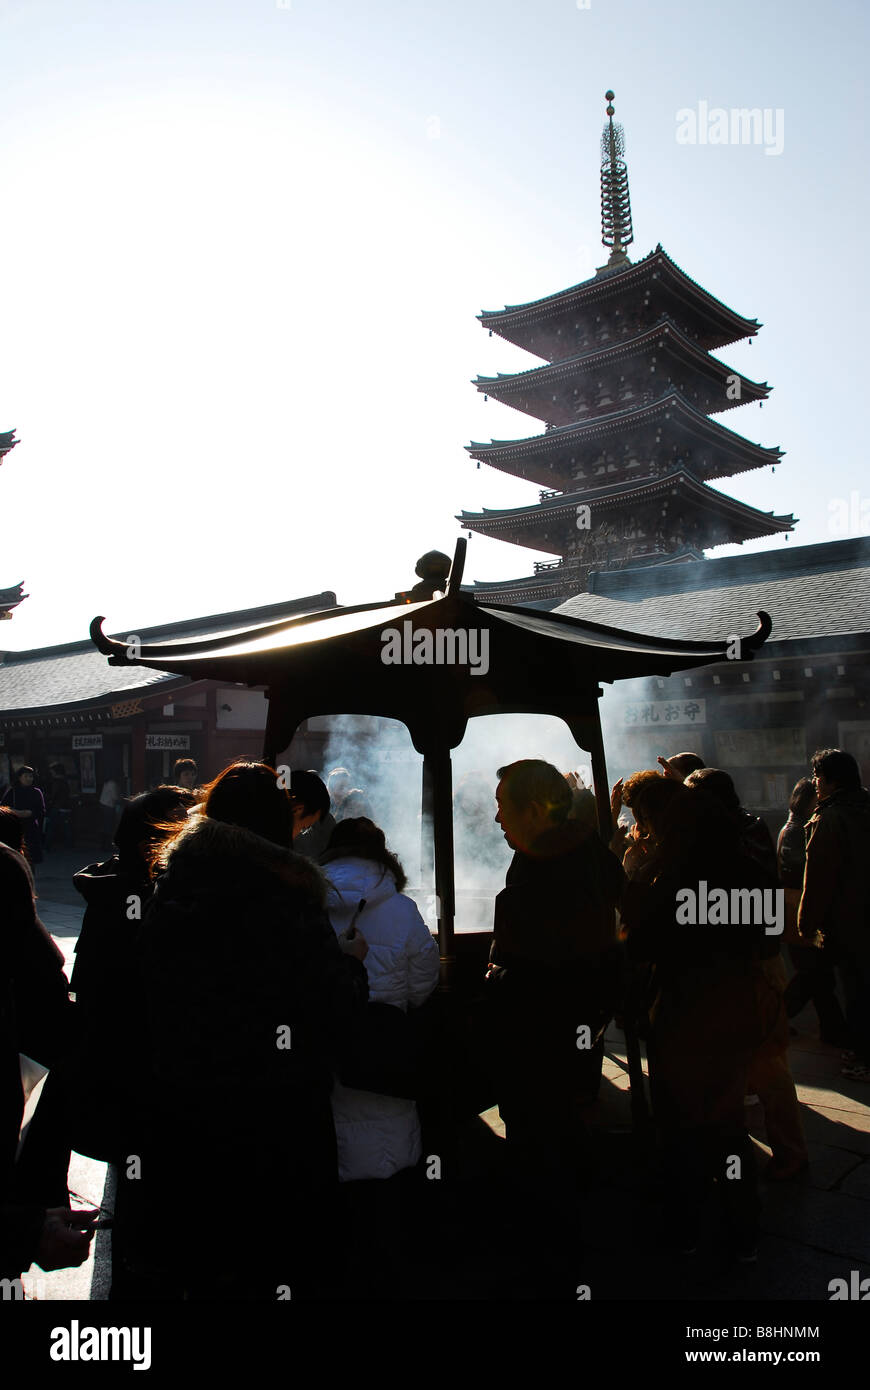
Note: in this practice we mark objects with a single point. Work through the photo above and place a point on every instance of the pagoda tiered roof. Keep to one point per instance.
(560, 392)
(7, 442)
(10, 598)
(558, 454)
(529, 525)
(549, 327)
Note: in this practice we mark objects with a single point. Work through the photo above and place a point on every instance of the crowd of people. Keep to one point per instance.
(241, 1013)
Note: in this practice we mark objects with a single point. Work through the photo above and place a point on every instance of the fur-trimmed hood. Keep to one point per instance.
(214, 856)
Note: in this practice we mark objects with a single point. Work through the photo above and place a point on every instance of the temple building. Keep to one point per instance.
(9, 598)
(631, 455)
(63, 705)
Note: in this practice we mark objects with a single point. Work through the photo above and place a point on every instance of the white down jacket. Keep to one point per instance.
(379, 1135)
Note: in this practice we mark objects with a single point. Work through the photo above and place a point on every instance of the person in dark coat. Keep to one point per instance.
(835, 903)
(713, 1005)
(769, 1075)
(814, 966)
(249, 1000)
(34, 1017)
(554, 964)
(94, 1094)
(28, 803)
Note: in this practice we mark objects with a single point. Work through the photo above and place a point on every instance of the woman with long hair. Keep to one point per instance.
(248, 997)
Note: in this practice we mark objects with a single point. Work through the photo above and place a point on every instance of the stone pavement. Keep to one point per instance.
(817, 1227)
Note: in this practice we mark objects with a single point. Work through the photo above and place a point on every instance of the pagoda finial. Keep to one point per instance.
(616, 229)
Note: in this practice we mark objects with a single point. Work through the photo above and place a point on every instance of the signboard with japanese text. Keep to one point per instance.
(80, 741)
(662, 713)
(167, 743)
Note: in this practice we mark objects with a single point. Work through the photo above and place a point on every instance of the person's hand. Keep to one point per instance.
(355, 946)
(573, 781)
(668, 770)
(616, 799)
(65, 1239)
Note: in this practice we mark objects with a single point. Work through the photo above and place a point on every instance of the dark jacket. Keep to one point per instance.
(713, 1006)
(249, 996)
(555, 967)
(757, 841)
(836, 892)
(34, 1016)
(107, 947)
(313, 841)
(557, 908)
(103, 1074)
(791, 853)
(653, 910)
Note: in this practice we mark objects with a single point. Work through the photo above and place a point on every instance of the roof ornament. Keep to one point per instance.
(616, 228)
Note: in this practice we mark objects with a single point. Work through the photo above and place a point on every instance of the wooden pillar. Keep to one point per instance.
(438, 774)
(137, 752)
(210, 758)
(282, 721)
(599, 777)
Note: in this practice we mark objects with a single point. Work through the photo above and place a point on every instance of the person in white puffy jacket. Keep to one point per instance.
(378, 1135)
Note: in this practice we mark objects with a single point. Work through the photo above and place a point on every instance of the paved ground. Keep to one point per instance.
(817, 1227)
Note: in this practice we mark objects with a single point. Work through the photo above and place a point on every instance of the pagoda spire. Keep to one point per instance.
(616, 229)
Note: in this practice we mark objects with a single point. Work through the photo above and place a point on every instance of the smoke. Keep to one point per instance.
(382, 761)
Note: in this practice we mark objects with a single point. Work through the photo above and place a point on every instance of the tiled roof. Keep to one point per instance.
(76, 674)
(809, 591)
(634, 271)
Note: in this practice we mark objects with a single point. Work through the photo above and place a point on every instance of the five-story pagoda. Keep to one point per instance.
(630, 450)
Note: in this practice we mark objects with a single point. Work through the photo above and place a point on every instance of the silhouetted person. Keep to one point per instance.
(355, 804)
(814, 966)
(249, 1000)
(712, 1009)
(836, 894)
(28, 803)
(679, 765)
(769, 1074)
(35, 1017)
(755, 838)
(313, 822)
(379, 1136)
(554, 964)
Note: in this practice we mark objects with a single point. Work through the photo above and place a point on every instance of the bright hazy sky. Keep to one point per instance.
(244, 245)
